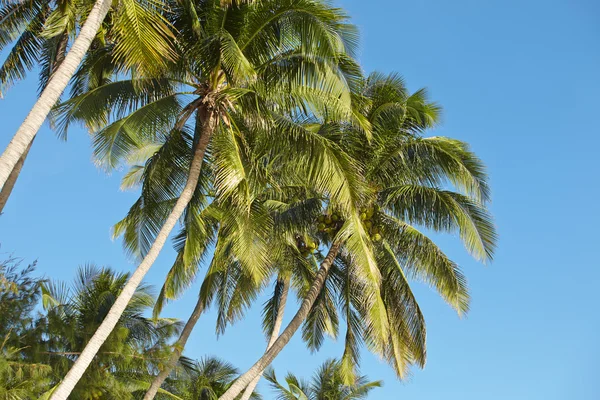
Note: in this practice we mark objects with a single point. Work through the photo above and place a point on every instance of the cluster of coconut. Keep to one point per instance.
(329, 223)
(306, 245)
(369, 218)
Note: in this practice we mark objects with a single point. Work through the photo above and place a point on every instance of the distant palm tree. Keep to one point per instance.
(406, 174)
(40, 32)
(206, 379)
(136, 346)
(327, 384)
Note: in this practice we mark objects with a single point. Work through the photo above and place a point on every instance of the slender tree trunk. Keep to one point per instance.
(61, 51)
(289, 330)
(209, 118)
(274, 335)
(177, 350)
(51, 93)
(12, 179)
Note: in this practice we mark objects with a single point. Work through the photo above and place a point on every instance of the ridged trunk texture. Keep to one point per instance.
(209, 118)
(289, 331)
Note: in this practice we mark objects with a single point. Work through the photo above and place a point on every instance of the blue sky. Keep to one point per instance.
(519, 80)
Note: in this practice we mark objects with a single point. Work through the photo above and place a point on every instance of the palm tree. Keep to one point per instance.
(253, 59)
(207, 379)
(40, 31)
(326, 384)
(136, 346)
(405, 173)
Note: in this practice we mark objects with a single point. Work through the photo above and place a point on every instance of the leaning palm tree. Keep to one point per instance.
(405, 173)
(326, 384)
(40, 33)
(255, 59)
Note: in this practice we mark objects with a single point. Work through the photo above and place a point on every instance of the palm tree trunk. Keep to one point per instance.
(289, 331)
(178, 349)
(61, 51)
(276, 328)
(51, 93)
(12, 179)
(209, 118)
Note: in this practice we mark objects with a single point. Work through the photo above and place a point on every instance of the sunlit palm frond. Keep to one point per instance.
(423, 260)
(143, 37)
(443, 210)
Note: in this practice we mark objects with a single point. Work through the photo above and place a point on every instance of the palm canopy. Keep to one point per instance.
(326, 384)
(433, 182)
(266, 61)
(279, 71)
(221, 79)
(436, 183)
(39, 33)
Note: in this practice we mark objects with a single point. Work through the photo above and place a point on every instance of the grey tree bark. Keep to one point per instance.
(210, 119)
(51, 93)
(276, 329)
(289, 331)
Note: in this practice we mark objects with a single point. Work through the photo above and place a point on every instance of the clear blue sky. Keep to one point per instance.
(520, 81)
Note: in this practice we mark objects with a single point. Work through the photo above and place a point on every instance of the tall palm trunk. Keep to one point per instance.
(51, 93)
(61, 52)
(178, 349)
(289, 330)
(276, 328)
(209, 118)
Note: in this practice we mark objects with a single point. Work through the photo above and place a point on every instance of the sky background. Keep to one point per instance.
(518, 80)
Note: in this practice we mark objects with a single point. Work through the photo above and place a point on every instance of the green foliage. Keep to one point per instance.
(206, 379)
(327, 383)
(19, 295)
(39, 32)
(306, 152)
(37, 348)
